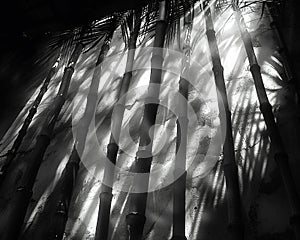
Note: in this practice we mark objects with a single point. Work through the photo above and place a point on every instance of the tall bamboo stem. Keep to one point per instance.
(280, 155)
(136, 218)
(67, 182)
(22, 132)
(113, 147)
(284, 53)
(234, 205)
(179, 186)
(22, 196)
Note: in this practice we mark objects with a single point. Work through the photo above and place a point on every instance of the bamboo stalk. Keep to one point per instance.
(22, 132)
(106, 195)
(22, 196)
(135, 220)
(61, 196)
(284, 53)
(234, 205)
(179, 185)
(280, 155)
(67, 182)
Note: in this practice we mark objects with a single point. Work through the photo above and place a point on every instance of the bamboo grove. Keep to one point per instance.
(162, 20)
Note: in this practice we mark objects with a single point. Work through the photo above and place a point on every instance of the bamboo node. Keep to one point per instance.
(210, 32)
(144, 153)
(135, 219)
(254, 67)
(176, 237)
(152, 100)
(24, 189)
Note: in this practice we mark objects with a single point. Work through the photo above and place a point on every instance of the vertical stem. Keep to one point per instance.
(280, 155)
(113, 147)
(56, 227)
(21, 198)
(67, 182)
(179, 185)
(284, 53)
(136, 218)
(234, 205)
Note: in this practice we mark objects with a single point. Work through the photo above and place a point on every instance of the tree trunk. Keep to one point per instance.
(22, 196)
(280, 154)
(136, 218)
(113, 147)
(11, 154)
(179, 185)
(234, 206)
